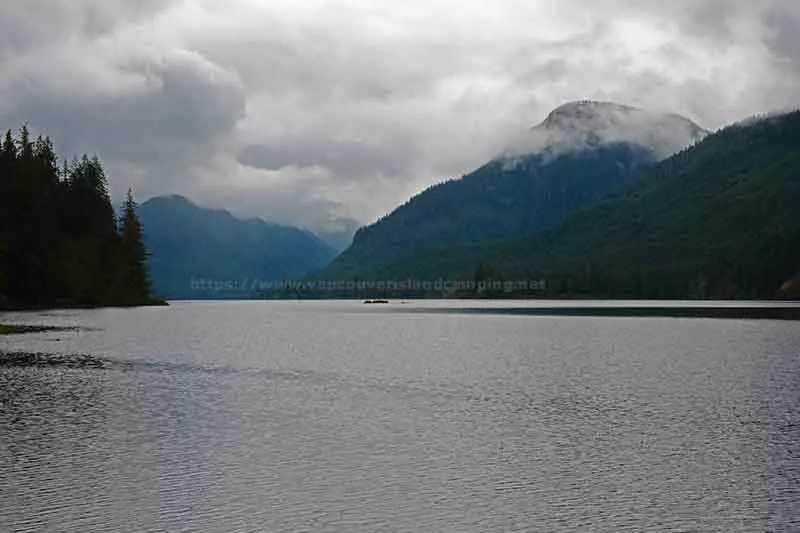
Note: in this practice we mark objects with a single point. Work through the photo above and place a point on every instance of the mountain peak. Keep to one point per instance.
(175, 199)
(587, 111)
(587, 124)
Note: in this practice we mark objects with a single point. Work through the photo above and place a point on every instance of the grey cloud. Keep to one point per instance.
(784, 36)
(345, 158)
(183, 107)
(312, 112)
(192, 100)
(38, 22)
(711, 20)
(321, 67)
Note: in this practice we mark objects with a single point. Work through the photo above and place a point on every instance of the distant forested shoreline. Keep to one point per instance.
(61, 244)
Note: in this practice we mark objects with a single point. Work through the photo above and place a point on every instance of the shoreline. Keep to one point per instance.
(722, 312)
(155, 302)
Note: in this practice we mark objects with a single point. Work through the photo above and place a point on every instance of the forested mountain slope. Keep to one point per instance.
(581, 154)
(720, 219)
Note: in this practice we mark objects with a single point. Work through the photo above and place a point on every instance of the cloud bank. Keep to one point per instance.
(319, 112)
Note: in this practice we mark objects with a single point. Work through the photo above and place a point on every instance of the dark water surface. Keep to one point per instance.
(335, 416)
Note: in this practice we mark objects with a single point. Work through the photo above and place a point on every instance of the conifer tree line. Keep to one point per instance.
(60, 242)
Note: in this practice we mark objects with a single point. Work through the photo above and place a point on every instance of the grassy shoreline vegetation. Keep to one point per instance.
(18, 329)
(38, 359)
(61, 245)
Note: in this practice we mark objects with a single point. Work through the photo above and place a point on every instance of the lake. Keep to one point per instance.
(339, 416)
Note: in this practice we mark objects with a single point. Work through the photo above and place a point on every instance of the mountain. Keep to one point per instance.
(582, 153)
(201, 252)
(716, 220)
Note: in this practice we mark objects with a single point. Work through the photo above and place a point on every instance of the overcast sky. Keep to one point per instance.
(310, 112)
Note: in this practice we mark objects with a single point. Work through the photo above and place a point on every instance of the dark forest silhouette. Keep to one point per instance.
(61, 244)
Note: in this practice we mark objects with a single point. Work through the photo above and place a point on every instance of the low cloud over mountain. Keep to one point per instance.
(579, 126)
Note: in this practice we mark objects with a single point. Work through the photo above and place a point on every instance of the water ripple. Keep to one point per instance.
(441, 423)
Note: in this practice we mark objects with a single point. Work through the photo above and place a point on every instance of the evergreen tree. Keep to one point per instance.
(8, 158)
(32, 223)
(135, 285)
(94, 259)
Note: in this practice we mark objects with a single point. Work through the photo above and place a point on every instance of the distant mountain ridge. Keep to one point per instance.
(202, 252)
(582, 153)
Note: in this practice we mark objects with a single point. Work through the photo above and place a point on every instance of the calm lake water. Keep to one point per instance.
(336, 416)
